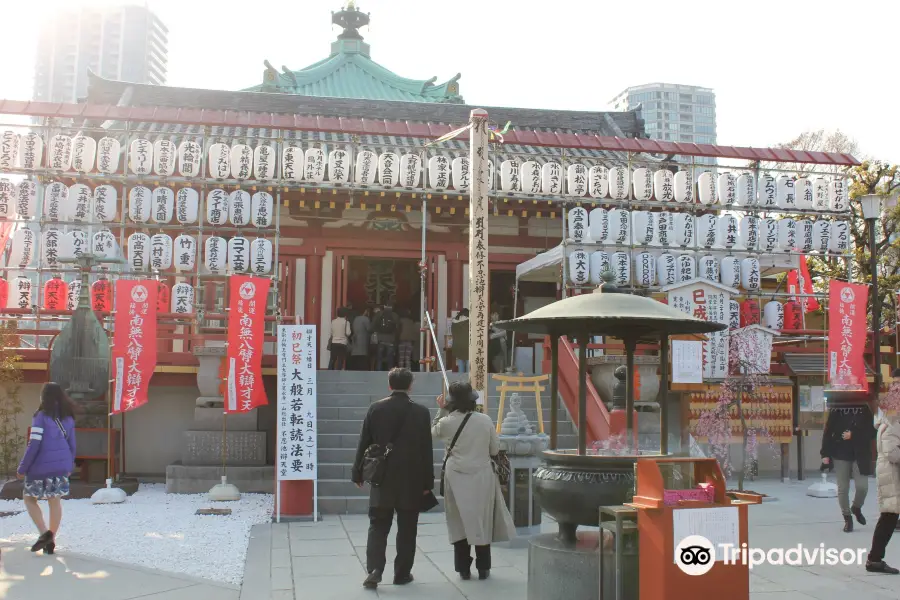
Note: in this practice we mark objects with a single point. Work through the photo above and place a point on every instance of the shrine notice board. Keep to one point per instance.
(770, 409)
(297, 455)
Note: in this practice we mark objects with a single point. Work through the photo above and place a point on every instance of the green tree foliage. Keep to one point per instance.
(11, 438)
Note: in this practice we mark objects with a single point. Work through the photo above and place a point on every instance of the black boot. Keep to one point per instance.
(42, 541)
(50, 547)
(858, 514)
(372, 580)
(484, 574)
(848, 523)
(880, 567)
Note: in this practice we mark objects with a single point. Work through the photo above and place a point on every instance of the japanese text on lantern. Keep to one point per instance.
(297, 414)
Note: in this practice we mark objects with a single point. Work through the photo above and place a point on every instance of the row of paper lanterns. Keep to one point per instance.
(78, 203)
(389, 169)
(649, 228)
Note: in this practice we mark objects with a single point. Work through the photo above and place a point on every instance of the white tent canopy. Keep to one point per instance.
(544, 267)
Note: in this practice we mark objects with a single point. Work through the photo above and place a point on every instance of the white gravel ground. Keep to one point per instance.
(155, 530)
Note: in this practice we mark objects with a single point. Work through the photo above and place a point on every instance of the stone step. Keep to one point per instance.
(354, 426)
(356, 505)
(348, 455)
(365, 398)
(333, 441)
(343, 472)
(344, 487)
(358, 413)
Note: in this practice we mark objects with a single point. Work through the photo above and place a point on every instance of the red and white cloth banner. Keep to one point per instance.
(246, 329)
(847, 332)
(799, 282)
(134, 344)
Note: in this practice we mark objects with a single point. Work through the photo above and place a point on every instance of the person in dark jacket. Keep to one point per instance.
(847, 440)
(409, 475)
(48, 462)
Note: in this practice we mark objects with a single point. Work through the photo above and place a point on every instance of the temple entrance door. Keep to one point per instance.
(374, 282)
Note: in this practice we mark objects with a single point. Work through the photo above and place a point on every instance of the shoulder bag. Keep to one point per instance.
(450, 448)
(375, 457)
(500, 464)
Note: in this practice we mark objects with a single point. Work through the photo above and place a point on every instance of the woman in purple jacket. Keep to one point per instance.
(49, 461)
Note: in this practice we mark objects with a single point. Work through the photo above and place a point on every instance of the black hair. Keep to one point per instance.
(463, 313)
(400, 379)
(55, 403)
(462, 398)
(341, 311)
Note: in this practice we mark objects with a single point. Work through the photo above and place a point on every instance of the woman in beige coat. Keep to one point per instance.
(887, 478)
(476, 512)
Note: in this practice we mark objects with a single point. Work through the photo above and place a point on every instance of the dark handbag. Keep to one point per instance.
(428, 501)
(328, 347)
(450, 447)
(500, 464)
(375, 458)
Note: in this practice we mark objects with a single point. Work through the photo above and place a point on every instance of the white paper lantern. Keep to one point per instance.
(190, 155)
(642, 182)
(806, 239)
(161, 252)
(749, 232)
(215, 251)
(706, 188)
(164, 153)
(238, 254)
(820, 194)
(261, 256)
(217, 207)
(241, 159)
(338, 167)
(530, 177)
(619, 183)
(708, 267)
(438, 172)
(599, 225)
(665, 229)
(644, 227)
(729, 231)
(22, 247)
(314, 166)
(685, 230)
(730, 273)
(73, 244)
(84, 151)
(666, 269)
(292, 163)
(768, 195)
(837, 195)
(576, 180)
(60, 152)
(140, 157)
(619, 227)
(840, 236)
(410, 170)
(9, 150)
(50, 239)
(103, 244)
(138, 251)
(578, 224)
(7, 199)
(687, 268)
(745, 190)
(26, 199)
(73, 295)
(803, 193)
(367, 167)
(459, 171)
(187, 206)
(784, 193)
(773, 315)
(821, 236)
(769, 235)
(664, 185)
(579, 267)
(750, 274)
(31, 151)
(707, 226)
(20, 293)
(182, 299)
(185, 254)
(600, 264)
(726, 187)
(264, 162)
(509, 176)
(239, 208)
(56, 202)
(644, 269)
(684, 187)
(551, 178)
(106, 200)
(622, 268)
(108, 151)
(219, 161)
(787, 235)
(140, 204)
(261, 205)
(80, 197)
(734, 314)
(598, 181)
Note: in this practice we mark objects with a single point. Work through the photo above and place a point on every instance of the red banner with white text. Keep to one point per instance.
(134, 343)
(246, 330)
(799, 282)
(847, 335)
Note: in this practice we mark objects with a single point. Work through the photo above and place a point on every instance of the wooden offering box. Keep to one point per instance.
(664, 520)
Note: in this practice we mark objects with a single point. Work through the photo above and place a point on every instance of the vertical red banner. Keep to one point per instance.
(799, 282)
(134, 343)
(246, 330)
(847, 335)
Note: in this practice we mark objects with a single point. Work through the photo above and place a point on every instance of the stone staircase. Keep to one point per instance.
(343, 400)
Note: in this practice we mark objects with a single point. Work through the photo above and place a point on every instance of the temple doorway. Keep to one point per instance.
(374, 282)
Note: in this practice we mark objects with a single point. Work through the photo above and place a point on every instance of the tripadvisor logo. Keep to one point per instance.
(695, 555)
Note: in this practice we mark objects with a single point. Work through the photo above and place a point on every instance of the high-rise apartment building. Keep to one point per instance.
(673, 112)
(126, 43)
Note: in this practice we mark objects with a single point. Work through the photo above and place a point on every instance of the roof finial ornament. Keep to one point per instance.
(351, 19)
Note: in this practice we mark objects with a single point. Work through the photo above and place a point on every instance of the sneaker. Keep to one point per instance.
(403, 579)
(879, 566)
(858, 514)
(372, 580)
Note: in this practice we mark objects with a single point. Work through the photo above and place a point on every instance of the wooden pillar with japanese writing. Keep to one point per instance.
(479, 279)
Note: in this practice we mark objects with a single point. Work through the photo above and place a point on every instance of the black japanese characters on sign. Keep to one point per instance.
(297, 439)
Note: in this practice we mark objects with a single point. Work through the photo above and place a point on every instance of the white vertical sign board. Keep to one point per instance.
(687, 361)
(297, 438)
(709, 302)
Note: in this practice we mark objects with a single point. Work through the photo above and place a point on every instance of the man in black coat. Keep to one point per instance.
(409, 475)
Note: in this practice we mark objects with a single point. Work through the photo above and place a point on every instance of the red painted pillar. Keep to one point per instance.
(454, 285)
